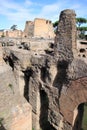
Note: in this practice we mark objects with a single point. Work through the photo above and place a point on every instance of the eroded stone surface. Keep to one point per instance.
(15, 112)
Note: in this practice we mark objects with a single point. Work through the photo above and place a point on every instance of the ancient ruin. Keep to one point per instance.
(11, 33)
(44, 87)
(39, 28)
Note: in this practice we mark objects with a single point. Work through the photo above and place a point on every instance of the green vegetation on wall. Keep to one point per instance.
(11, 87)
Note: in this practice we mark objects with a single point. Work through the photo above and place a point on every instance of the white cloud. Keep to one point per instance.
(7, 4)
(28, 2)
(28, 10)
(51, 11)
(14, 11)
(50, 8)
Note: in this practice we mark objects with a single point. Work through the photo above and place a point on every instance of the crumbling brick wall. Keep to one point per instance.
(29, 29)
(39, 28)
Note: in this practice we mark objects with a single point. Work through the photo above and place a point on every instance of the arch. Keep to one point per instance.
(78, 116)
(75, 95)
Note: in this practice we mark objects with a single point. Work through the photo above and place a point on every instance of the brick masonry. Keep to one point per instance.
(39, 28)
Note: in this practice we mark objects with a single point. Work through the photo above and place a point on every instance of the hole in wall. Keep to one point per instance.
(82, 50)
(84, 56)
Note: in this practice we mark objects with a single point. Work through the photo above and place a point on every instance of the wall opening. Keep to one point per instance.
(44, 124)
(82, 50)
(84, 120)
(80, 120)
(84, 56)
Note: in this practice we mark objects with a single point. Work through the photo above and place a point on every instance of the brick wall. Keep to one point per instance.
(15, 33)
(29, 29)
(39, 28)
(43, 28)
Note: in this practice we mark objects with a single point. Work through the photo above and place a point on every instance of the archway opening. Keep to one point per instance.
(84, 120)
(80, 117)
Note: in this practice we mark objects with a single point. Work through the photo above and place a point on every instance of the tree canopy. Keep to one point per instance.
(13, 27)
(80, 21)
(82, 28)
(55, 24)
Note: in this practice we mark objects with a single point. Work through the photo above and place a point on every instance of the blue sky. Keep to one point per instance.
(19, 11)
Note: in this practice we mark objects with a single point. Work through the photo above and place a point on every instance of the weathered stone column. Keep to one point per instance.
(66, 37)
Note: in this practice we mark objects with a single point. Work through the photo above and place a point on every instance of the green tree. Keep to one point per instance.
(55, 24)
(80, 21)
(82, 32)
(81, 29)
(13, 27)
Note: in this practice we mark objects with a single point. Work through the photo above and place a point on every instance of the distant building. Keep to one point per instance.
(2, 33)
(29, 29)
(11, 33)
(39, 28)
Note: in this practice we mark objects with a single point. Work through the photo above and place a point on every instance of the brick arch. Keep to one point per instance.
(75, 95)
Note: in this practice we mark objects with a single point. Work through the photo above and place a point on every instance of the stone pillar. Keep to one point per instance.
(66, 37)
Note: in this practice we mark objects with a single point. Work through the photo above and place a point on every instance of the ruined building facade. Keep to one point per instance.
(11, 33)
(39, 28)
(54, 84)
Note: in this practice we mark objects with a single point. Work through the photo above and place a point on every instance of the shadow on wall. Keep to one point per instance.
(27, 75)
(61, 77)
(1, 124)
(44, 124)
(45, 76)
(10, 60)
